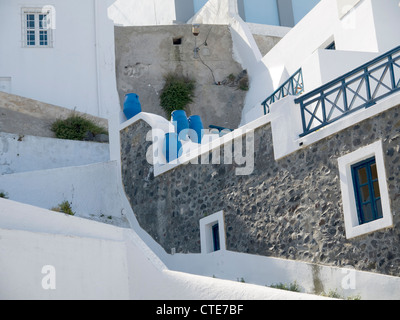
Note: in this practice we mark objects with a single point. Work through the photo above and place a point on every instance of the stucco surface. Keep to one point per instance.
(145, 54)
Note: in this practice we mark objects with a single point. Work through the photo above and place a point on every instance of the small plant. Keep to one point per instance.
(3, 195)
(241, 81)
(177, 94)
(64, 207)
(76, 127)
(291, 287)
(335, 295)
(244, 83)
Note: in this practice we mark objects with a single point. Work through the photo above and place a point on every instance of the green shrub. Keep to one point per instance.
(64, 207)
(75, 127)
(291, 287)
(3, 195)
(335, 295)
(177, 94)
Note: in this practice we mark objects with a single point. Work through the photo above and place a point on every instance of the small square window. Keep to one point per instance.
(177, 41)
(365, 194)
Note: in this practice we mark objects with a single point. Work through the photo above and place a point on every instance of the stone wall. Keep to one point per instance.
(291, 208)
(144, 55)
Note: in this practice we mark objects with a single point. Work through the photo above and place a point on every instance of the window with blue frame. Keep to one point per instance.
(366, 190)
(36, 28)
(215, 236)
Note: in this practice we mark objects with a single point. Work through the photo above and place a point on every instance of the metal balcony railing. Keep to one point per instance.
(293, 86)
(360, 88)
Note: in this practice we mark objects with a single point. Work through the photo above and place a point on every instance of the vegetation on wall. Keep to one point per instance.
(64, 207)
(177, 94)
(3, 195)
(240, 81)
(76, 127)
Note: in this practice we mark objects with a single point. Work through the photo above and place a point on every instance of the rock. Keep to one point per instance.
(101, 138)
(88, 136)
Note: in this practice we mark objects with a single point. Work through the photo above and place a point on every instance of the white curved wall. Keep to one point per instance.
(90, 260)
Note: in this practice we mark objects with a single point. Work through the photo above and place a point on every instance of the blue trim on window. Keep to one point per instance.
(215, 235)
(369, 207)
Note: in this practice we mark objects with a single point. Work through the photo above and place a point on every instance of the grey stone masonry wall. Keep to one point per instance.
(291, 208)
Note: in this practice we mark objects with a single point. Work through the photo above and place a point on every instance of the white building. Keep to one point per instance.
(59, 52)
(359, 30)
(64, 56)
(158, 12)
(48, 58)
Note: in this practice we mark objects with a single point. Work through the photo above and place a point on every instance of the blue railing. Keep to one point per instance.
(360, 88)
(293, 86)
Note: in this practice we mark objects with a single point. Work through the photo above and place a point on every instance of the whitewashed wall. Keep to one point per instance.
(90, 260)
(142, 13)
(29, 153)
(92, 189)
(78, 72)
(367, 28)
(326, 65)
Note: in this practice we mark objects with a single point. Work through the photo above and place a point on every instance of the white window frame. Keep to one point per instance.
(206, 237)
(352, 225)
(37, 30)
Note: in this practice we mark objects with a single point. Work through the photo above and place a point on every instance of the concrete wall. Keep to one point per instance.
(266, 36)
(77, 72)
(146, 54)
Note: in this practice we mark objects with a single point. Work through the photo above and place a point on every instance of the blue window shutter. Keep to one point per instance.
(366, 191)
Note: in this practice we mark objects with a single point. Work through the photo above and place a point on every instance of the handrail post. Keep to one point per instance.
(265, 108)
(345, 102)
(367, 85)
(391, 69)
(302, 80)
(292, 85)
(323, 107)
(303, 117)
